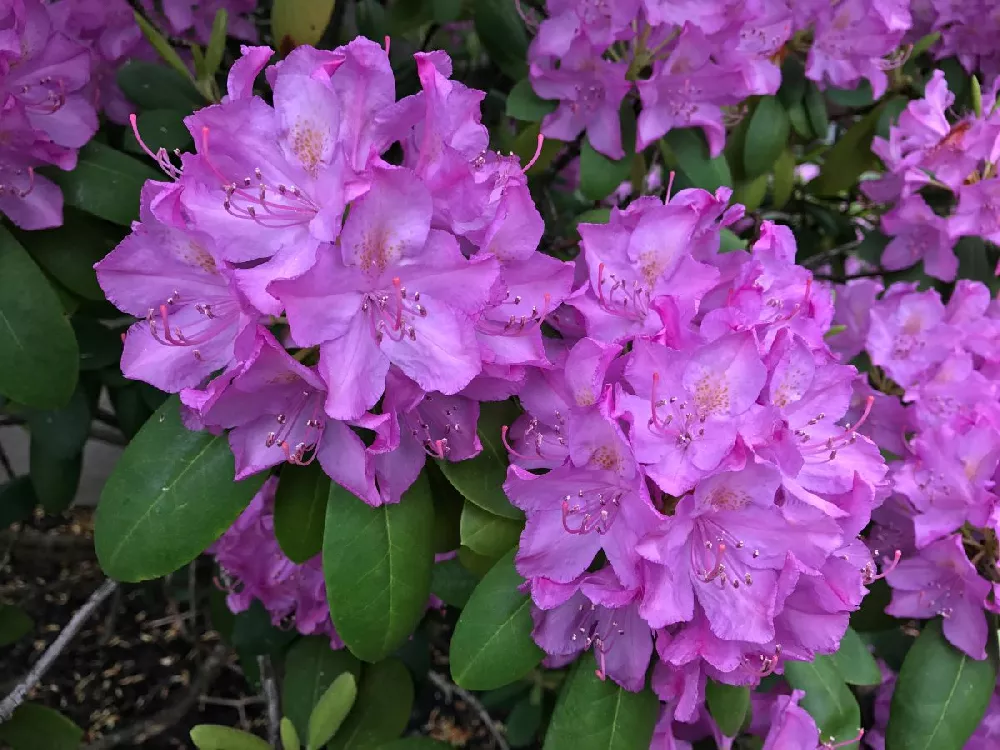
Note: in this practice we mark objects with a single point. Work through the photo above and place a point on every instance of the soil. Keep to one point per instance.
(126, 678)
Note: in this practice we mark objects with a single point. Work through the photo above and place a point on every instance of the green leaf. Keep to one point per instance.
(941, 694)
(300, 510)
(729, 241)
(593, 216)
(793, 82)
(502, 33)
(480, 479)
(215, 737)
(751, 193)
(799, 120)
(415, 743)
(728, 705)
(525, 105)
(331, 710)
(130, 409)
(382, 709)
(828, 699)
(523, 723)
(486, 534)
(170, 496)
(254, 634)
(492, 643)
(298, 22)
(377, 563)
(17, 500)
(161, 45)
(446, 11)
(54, 478)
(452, 583)
(100, 347)
(35, 727)
(152, 86)
(767, 137)
(475, 563)
(289, 737)
(691, 152)
(311, 666)
(159, 128)
(599, 175)
(594, 714)
(849, 157)
(15, 623)
(37, 347)
(217, 43)
(891, 110)
(860, 96)
(105, 183)
(856, 664)
(815, 104)
(784, 178)
(63, 431)
(370, 18)
(871, 616)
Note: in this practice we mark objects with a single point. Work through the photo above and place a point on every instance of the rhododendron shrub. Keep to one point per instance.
(639, 358)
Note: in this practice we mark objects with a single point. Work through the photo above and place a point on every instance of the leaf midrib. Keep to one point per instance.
(947, 702)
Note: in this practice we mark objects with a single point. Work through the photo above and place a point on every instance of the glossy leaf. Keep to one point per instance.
(217, 43)
(216, 737)
(331, 710)
(170, 496)
(100, 347)
(369, 15)
(524, 104)
(828, 699)
(595, 714)
(382, 709)
(54, 478)
(298, 22)
(255, 635)
(502, 33)
(526, 144)
(68, 253)
(106, 183)
(751, 193)
(152, 86)
(300, 510)
(599, 175)
(311, 666)
(784, 178)
(159, 128)
(856, 664)
(15, 623)
(728, 705)
(36, 727)
(688, 147)
(63, 431)
(849, 157)
(17, 500)
(767, 136)
(37, 347)
(453, 583)
(480, 480)
(492, 643)
(289, 737)
(523, 723)
(815, 106)
(487, 534)
(377, 563)
(941, 694)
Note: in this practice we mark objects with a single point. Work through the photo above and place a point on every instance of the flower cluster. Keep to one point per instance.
(688, 62)
(952, 165)
(704, 493)
(937, 413)
(192, 20)
(968, 31)
(46, 111)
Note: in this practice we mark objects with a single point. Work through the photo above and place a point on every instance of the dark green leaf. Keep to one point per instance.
(480, 480)
(297, 22)
(478, 565)
(216, 737)
(815, 104)
(54, 478)
(62, 431)
(860, 96)
(941, 694)
(217, 43)
(599, 175)
(14, 624)
(37, 346)
(130, 408)
(17, 500)
(452, 583)
(377, 563)
(793, 82)
(446, 11)
(799, 120)
(35, 727)
(594, 714)
(728, 705)
(767, 137)
(255, 635)
(492, 643)
(828, 699)
(311, 666)
(486, 534)
(524, 104)
(448, 504)
(408, 15)
(593, 216)
(161, 45)
(850, 156)
(105, 183)
(160, 128)
(415, 743)
(751, 193)
(370, 18)
(502, 33)
(891, 111)
(300, 510)
(728, 241)
(382, 709)
(331, 710)
(99, 346)
(856, 664)
(689, 148)
(523, 723)
(170, 496)
(153, 86)
(784, 178)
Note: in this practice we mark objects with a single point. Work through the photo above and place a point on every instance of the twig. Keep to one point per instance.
(847, 277)
(270, 690)
(448, 688)
(193, 593)
(112, 618)
(820, 258)
(159, 722)
(34, 676)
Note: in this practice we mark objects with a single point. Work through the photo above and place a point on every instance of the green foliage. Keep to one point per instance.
(105, 183)
(297, 22)
(311, 666)
(36, 727)
(215, 737)
(728, 704)
(300, 510)
(331, 710)
(382, 708)
(827, 698)
(15, 623)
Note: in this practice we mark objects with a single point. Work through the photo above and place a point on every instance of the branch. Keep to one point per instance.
(448, 688)
(162, 720)
(270, 690)
(17, 695)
